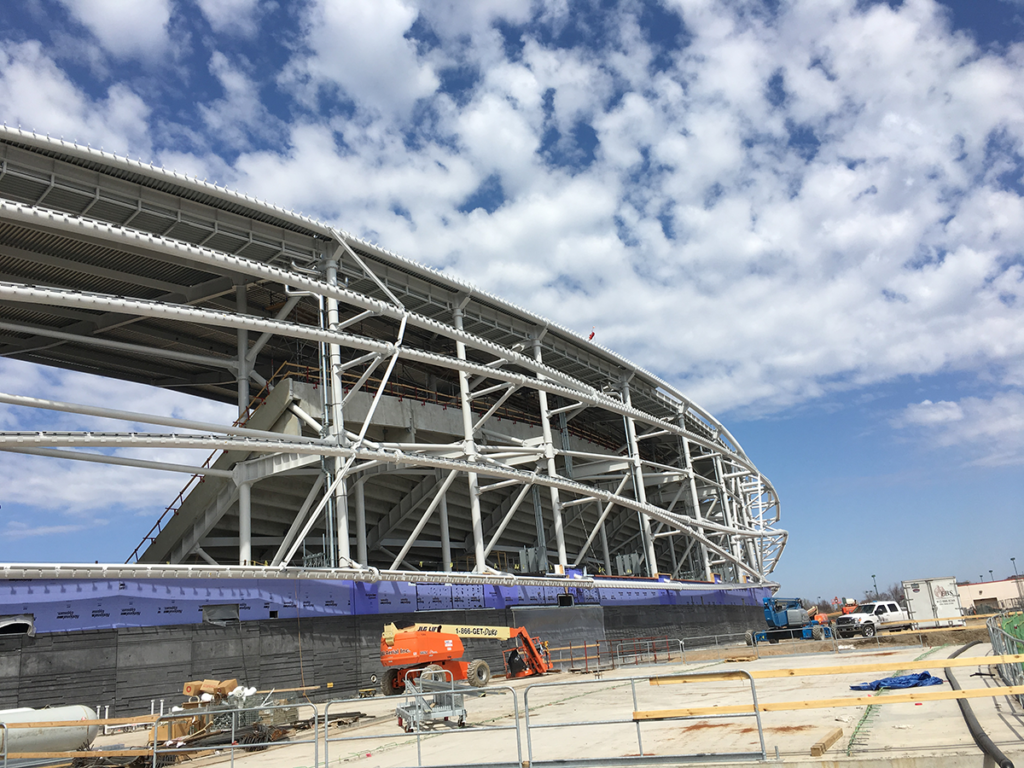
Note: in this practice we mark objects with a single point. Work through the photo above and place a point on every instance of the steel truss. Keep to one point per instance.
(526, 433)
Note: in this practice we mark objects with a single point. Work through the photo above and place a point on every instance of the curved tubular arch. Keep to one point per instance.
(130, 238)
(224, 319)
(11, 441)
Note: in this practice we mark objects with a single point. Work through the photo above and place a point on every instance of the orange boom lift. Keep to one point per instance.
(407, 651)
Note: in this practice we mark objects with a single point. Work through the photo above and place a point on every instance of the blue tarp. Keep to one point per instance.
(903, 681)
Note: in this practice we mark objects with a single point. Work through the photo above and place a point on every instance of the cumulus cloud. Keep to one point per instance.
(39, 96)
(361, 49)
(125, 30)
(765, 209)
(231, 17)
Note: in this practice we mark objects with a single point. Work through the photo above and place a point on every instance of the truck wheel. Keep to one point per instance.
(389, 683)
(817, 633)
(869, 630)
(479, 674)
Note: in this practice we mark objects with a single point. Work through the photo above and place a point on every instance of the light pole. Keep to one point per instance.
(876, 585)
(993, 578)
(1020, 591)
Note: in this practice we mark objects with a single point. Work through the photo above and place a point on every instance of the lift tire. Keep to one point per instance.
(479, 674)
(387, 683)
(817, 632)
(869, 630)
(434, 668)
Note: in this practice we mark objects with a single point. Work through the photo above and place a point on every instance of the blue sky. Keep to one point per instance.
(807, 215)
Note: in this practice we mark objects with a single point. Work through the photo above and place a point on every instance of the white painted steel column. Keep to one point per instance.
(731, 513)
(695, 499)
(245, 523)
(470, 449)
(360, 493)
(446, 543)
(641, 491)
(549, 451)
(337, 426)
(242, 308)
(605, 551)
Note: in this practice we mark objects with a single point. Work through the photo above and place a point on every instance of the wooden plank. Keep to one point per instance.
(82, 753)
(821, 747)
(853, 701)
(848, 669)
(136, 720)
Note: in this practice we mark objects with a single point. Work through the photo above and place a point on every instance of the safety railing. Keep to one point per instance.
(3, 735)
(1006, 643)
(417, 728)
(246, 727)
(637, 652)
(564, 747)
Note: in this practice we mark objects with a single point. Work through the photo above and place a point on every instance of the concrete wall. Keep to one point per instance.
(127, 668)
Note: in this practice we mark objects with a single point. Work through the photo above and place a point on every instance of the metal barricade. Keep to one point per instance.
(391, 705)
(1005, 644)
(237, 719)
(4, 732)
(642, 756)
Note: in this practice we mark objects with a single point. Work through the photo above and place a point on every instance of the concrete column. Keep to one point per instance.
(641, 490)
(245, 524)
(549, 452)
(471, 453)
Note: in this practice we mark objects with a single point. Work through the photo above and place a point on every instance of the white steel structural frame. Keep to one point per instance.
(625, 433)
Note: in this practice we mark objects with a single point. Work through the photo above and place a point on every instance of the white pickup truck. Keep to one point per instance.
(870, 618)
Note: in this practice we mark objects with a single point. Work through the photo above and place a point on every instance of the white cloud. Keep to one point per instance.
(240, 114)
(37, 95)
(759, 251)
(361, 48)
(126, 30)
(986, 431)
(231, 17)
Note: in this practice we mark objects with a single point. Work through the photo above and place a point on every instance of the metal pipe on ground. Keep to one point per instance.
(982, 739)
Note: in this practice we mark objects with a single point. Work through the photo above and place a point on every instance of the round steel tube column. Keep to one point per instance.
(549, 451)
(337, 428)
(641, 491)
(242, 307)
(470, 449)
(446, 544)
(701, 549)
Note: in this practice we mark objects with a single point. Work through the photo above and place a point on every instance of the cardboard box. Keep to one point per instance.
(224, 687)
(209, 686)
(192, 688)
(175, 729)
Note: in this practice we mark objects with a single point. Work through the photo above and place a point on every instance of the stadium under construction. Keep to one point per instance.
(404, 443)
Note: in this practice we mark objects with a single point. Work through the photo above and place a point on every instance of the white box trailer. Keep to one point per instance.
(933, 603)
